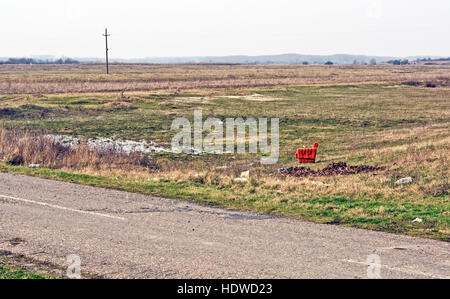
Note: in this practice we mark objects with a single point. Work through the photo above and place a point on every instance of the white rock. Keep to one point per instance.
(417, 220)
(402, 181)
(245, 174)
(241, 180)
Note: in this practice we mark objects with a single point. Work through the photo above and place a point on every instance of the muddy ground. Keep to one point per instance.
(339, 168)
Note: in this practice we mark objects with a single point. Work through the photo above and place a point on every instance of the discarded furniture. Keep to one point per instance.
(307, 155)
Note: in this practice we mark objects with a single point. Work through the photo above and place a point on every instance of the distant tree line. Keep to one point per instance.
(435, 59)
(399, 61)
(442, 59)
(39, 61)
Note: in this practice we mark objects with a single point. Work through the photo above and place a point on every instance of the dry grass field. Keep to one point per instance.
(394, 117)
(18, 79)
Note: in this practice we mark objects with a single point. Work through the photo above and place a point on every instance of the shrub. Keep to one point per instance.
(23, 148)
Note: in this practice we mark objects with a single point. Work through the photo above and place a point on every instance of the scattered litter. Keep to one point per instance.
(340, 168)
(419, 220)
(245, 174)
(244, 177)
(241, 180)
(402, 181)
(34, 165)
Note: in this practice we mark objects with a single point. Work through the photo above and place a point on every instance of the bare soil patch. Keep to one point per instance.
(339, 168)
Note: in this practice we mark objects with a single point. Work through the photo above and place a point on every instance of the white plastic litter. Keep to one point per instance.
(402, 181)
(241, 180)
(245, 174)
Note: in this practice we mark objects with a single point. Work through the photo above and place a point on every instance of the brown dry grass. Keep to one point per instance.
(24, 79)
(24, 148)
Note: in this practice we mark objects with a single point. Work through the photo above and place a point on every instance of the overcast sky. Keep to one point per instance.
(156, 28)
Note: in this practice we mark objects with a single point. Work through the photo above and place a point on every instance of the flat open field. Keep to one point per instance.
(394, 117)
(84, 78)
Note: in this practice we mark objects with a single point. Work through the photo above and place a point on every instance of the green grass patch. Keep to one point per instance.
(17, 273)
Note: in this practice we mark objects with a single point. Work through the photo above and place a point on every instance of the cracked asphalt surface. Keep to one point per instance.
(125, 235)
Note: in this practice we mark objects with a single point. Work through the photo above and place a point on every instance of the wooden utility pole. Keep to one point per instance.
(106, 38)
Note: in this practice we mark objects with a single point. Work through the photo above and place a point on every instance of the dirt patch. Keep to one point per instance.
(26, 112)
(204, 99)
(340, 168)
(437, 82)
(253, 97)
(119, 105)
(7, 112)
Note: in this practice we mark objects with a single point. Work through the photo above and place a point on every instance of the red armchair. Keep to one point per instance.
(307, 155)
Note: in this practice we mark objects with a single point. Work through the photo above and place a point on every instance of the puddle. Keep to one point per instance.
(126, 146)
(253, 97)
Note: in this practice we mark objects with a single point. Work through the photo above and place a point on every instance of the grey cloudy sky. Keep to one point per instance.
(158, 28)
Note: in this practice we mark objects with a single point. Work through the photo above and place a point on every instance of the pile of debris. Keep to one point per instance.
(339, 168)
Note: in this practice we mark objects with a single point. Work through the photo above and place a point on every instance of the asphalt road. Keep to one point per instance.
(124, 235)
